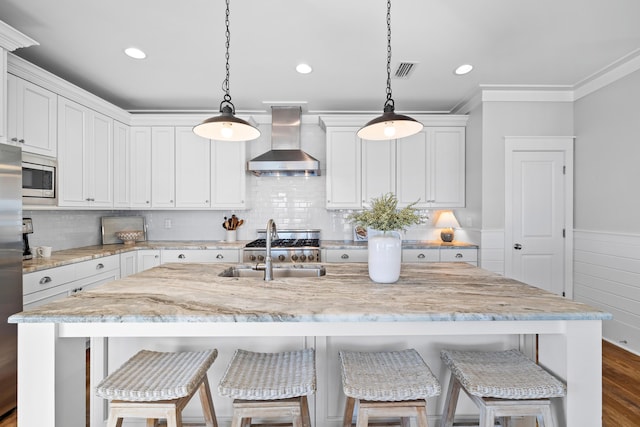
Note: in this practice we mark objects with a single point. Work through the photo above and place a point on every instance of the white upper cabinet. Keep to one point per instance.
(193, 165)
(378, 169)
(121, 165)
(344, 178)
(31, 116)
(3, 95)
(228, 176)
(140, 167)
(85, 156)
(431, 168)
(163, 167)
(428, 168)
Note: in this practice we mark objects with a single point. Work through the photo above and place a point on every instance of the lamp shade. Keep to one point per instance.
(447, 219)
(390, 126)
(226, 127)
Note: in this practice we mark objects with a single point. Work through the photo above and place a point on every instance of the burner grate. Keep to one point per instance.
(285, 243)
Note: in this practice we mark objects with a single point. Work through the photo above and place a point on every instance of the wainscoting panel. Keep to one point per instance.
(607, 276)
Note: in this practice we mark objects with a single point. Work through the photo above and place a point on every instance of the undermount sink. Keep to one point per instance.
(279, 271)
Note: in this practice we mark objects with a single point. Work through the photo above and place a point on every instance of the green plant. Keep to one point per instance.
(384, 214)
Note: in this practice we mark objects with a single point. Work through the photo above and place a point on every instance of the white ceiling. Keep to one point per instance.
(558, 44)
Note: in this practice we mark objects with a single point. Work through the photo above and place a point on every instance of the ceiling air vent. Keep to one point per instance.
(404, 70)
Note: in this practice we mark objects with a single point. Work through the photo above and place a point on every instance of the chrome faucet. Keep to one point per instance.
(268, 262)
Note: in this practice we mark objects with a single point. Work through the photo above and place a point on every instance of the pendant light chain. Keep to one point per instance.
(225, 83)
(389, 99)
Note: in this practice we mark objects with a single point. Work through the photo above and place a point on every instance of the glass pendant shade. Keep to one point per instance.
(390, 126)
(226, 127)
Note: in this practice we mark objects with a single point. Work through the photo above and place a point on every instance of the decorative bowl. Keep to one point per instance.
(129, 237)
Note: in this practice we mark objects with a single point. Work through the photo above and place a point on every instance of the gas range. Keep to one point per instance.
(290, 246)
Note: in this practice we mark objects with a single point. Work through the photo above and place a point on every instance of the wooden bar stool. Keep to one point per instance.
(270, 385)
(155, 385)
(502, 384)
(387, 384)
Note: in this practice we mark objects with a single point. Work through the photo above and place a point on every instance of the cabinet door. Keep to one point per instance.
(3, 97)
(32, 113)
(99, 170)
(378, 169)
(121, 166)
(344, 178)
(128, 263)
(141, 167)
(228, 176)
(412, 170)
(163, 167)
(447, 165)
(73, 134)
(147, 259)
(193, 165)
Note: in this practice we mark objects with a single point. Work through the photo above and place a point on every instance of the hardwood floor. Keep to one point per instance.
(620, 389)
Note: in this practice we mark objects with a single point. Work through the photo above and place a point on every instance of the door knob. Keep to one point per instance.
(517, 246)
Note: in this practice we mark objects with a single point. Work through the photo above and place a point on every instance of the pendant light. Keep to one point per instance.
(389, 125)
(226, 126)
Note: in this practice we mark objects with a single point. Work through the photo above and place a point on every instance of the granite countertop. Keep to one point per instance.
(196, 293)
(70, 256)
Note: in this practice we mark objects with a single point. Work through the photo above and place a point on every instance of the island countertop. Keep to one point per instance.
(196, 293)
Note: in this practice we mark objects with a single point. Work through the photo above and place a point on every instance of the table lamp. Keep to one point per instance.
(447, 221)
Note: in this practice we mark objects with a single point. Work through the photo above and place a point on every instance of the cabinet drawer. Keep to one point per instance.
(97, 266)
(459, 255)
(355, 255)
(46, 279)
(200, 255)
(421, 255)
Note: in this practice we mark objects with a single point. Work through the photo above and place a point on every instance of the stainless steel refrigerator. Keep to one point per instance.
(10, 270)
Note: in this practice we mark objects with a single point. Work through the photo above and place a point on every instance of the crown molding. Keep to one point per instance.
(514, 95)
(612, 73)
(38, 76)
(12, 39)
(359, 120)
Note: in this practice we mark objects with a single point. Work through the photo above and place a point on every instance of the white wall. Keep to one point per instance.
(502, 119)
(607, 158)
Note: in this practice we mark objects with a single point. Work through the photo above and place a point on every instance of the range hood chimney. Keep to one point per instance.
(285, 157)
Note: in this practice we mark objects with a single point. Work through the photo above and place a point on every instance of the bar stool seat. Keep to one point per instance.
(386, 384)
(502, 384)
(270, 385)
(155, 385)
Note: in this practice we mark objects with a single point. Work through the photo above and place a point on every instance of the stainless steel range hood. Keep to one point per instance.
(285, 157)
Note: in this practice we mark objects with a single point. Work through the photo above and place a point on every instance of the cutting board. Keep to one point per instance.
(112, 224)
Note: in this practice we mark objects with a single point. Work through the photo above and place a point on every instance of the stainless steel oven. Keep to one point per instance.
(38, 180)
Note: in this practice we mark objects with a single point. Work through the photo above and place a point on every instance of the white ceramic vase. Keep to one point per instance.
(385, 256)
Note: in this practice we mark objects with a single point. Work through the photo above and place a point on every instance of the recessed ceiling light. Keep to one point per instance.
(304, 68)
(463, 69)
(135, 53)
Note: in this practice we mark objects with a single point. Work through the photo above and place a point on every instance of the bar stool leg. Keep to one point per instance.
(363, 417)
(174, 419)
(451, 402)
(487, 417)
(405, 422)
(348, 412)
(306, 417)
(421, 417)
(152, 422)
(545, 419)
(207, 403)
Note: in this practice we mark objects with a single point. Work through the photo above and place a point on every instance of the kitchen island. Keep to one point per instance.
(440, 304)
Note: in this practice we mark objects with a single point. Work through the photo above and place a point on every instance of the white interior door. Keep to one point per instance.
(537, 218)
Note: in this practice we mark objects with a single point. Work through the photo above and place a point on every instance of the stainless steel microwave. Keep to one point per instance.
(38, 180)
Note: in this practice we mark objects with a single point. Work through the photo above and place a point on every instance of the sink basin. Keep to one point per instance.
(279, 271)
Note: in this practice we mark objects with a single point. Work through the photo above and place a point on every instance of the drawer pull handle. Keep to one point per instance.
(45, 280)
(345, 256)
(219, 256)
(181, 256)
(100, 266)
(76, 290)
(420, 256)
(458, 255)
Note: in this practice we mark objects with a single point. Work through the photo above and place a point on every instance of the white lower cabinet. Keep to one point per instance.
(421, 255)
(200, 255)
(346, 255)
(44, 286)
(147, 259)
(128, 263)
(459, 255)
